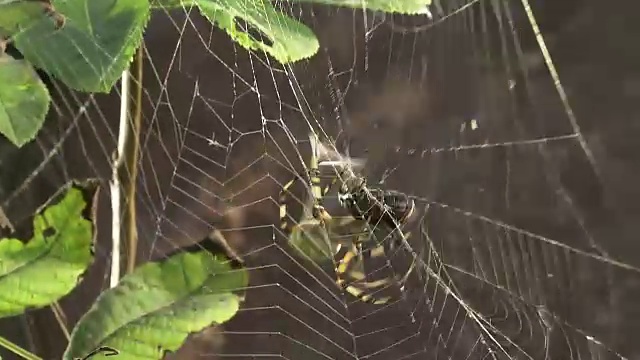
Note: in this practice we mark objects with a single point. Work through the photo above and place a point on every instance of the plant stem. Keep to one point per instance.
(4, 221)
(61, 318)
(5, 343)
(114, 185)
(129, 172)
(125, 171)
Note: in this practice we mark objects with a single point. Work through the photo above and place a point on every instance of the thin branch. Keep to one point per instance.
(5, 343)
(114, 185)
(61, 318)
(130, 168)
(4, 221)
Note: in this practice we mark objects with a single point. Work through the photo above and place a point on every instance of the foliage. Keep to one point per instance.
(287, 40)
(153, 309)
(24, 100)
(96, 43)
(87, 44)
(48, 266)
(411, 7)
(150, 311)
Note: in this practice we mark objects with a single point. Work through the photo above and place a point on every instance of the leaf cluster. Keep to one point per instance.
(151, 311)
(87, 44)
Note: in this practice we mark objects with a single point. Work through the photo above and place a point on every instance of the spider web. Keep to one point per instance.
(462, 110)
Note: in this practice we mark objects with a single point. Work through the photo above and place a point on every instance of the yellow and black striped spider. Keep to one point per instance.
(349, 240)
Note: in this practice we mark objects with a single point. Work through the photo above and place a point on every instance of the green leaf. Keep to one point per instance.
(49, 265)
(169, 4)
(412, 7)
(17, 14)
(24, 100)
(290, 40)
(287, 39)
(94, 46)
(154, 309)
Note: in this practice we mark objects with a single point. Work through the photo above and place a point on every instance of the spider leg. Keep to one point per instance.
(311, 206)
(366, 289)
(314, 170)
(354, 283)
(315, 165)
(282, 201)
(354, 280)
(414, 259)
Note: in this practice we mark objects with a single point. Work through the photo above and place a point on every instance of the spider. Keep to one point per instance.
(349, 240)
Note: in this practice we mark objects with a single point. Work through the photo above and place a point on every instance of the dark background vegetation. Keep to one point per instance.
(411, 94)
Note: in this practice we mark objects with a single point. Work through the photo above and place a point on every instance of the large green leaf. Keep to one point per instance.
(24, 100)
(284, 38)
(49, 265)
(154, 309)
(390, 6)
(94, 46)
(289, 40)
